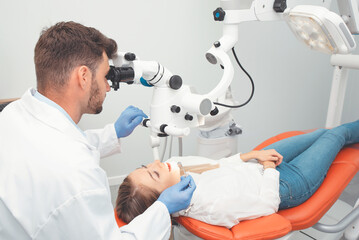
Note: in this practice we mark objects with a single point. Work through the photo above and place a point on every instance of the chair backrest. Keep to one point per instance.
(119, 222)
(5, 102)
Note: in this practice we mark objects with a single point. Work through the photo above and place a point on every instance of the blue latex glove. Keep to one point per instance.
(178, 196)
(128, 120)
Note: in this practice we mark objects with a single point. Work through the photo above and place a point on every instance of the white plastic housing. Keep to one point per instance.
(320, 29)
(349, 11)
(177, 125)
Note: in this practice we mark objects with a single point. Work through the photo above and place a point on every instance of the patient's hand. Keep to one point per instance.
(263, 156)
(268, 164)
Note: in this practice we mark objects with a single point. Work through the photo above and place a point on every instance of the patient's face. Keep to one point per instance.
(156, 175)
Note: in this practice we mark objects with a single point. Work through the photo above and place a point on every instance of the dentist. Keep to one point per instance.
(51, 184)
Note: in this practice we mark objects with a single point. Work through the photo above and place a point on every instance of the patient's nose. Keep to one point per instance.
(154, 163)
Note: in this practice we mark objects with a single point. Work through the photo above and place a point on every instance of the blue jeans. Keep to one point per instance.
(307, 158)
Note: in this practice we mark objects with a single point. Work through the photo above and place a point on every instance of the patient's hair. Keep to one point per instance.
(133, 200)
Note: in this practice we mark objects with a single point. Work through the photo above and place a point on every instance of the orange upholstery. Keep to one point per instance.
(119, 222)
(343, 169)
(268, 227)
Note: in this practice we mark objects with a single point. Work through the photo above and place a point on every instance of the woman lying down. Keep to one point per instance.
(283, 175)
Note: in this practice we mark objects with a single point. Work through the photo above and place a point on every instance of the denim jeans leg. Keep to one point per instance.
(291, 147)
(290, 184)
(308, 169)
(352, 133)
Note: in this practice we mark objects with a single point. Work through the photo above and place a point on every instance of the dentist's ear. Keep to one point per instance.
(84, 76)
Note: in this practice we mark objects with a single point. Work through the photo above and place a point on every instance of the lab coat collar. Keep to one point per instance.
(51, 116)
(42, 98)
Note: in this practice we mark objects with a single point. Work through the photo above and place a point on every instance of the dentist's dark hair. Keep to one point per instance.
(133, 200)
(65, 46)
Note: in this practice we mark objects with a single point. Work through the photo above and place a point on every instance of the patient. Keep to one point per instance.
(283, 175)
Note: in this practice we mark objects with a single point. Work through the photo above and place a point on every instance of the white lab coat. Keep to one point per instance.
(51, 185)
(233, 192)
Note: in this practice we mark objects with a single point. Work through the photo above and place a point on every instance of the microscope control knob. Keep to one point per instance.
(130, 56)
(144, 122)
(214, 112)
(175, 82)
(280, 5)
(175, 109)
(188, 117)
(162, 128)
(219, 14)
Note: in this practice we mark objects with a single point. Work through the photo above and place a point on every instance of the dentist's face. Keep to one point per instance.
(156, 175)
(99, 86)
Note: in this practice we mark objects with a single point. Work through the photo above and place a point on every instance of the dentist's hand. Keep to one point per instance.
(128, 120)
(178, 196)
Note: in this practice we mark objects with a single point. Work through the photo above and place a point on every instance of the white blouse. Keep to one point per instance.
(233, 192)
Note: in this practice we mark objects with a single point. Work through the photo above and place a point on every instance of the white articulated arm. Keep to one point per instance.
(174, 108)
(219, 55)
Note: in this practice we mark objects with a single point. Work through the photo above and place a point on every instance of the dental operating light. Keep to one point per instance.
(320, 29)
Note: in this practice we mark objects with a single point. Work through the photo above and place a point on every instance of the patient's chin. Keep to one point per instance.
(177, 175)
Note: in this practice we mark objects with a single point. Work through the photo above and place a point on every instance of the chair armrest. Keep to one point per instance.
(268, 227)
(204, 230)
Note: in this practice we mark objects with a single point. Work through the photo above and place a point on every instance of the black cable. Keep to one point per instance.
(250, 78)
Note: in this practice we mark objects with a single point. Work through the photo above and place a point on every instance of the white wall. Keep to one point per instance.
(292, 82)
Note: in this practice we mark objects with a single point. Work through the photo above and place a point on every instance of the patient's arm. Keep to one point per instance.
(263, 156)
(269, 192)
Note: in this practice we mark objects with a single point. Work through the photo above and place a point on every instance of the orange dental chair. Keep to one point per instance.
(342, 170)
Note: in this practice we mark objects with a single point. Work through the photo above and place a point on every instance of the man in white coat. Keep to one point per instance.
(51, 184)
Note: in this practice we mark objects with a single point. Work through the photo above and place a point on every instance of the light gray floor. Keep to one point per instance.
(351, 193)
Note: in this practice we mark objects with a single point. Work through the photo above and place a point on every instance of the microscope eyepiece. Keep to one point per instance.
(120, 74)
